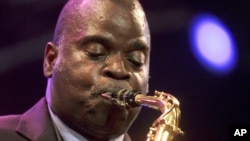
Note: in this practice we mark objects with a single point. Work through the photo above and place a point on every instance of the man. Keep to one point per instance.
(99, 46)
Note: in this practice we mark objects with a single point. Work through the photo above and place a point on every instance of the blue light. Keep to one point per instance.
(212, 44)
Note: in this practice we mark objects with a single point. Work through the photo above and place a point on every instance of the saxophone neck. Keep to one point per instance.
(163, 128)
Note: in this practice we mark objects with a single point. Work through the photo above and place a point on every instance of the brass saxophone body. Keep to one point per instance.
(165, 127)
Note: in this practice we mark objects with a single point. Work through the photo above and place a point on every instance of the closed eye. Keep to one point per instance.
(135, 62)
(137, 58)
(95, 50)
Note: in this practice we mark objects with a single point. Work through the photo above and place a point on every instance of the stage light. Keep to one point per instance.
(212, 44)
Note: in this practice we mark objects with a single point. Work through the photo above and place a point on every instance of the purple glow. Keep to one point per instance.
(212, 44)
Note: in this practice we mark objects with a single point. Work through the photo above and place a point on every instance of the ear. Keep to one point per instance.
(50, 56)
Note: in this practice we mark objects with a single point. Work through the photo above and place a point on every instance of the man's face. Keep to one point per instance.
(103, 46)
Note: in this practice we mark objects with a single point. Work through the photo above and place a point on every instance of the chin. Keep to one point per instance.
(110, 125)
(103, 133)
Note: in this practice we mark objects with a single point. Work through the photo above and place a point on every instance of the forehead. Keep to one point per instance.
(123, 17)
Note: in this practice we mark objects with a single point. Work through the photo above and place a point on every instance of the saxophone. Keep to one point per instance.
(165, 127)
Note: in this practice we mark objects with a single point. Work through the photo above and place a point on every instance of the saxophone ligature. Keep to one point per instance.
(165, 127)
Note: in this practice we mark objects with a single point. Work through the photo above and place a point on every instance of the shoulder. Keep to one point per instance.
(9, 122)
(8, 125)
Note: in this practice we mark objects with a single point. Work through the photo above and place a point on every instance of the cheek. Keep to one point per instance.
(75, 76)
(142, 80)
(73, 81)
(80, 68)
(82, 74)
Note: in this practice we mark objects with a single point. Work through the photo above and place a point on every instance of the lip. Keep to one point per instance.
(106, 95)
(109, 95)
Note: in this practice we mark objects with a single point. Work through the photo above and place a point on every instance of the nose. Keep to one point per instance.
(115, 69)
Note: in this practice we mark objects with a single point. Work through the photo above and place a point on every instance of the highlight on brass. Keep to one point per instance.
(165, 127)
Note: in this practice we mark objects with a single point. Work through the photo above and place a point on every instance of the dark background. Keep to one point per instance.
(210, 103)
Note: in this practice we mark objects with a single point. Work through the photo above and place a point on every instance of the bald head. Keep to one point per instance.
(76, 14)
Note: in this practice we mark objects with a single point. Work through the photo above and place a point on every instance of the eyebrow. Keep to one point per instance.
(96, 38)
(139, 45)
(135, 44)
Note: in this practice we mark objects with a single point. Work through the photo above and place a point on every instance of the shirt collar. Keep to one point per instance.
(70, 135)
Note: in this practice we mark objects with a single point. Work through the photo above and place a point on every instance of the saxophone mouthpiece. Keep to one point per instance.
(125, 98)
